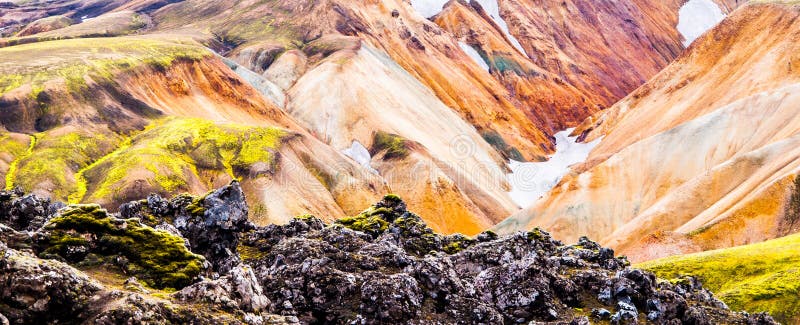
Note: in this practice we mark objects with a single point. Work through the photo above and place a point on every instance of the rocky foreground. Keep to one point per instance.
(199, 260)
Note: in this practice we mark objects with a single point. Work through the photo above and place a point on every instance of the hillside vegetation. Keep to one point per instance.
(763, 277)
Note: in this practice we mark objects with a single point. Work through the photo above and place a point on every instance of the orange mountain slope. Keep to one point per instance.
(701, 157)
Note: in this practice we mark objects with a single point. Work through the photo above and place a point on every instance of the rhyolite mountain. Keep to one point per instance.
(657, 128)
(448, 96)
(716, 165)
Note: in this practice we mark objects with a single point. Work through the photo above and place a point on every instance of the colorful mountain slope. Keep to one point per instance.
(95, 115)
(334, 73)
(701, 157)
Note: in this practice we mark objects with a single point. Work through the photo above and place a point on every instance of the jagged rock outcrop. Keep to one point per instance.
(64, 271)
(381, 266)
(25, 212)
(211, 223)
(393, 269)
(35, 290)
(239, 289)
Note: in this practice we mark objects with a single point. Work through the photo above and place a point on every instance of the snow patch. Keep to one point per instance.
(530, 181)
(430, 8)
(361, 155)
(472, 53)
(696, 17)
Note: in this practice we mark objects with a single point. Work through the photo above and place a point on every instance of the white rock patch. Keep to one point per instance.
(361, 155)
(530, 181)
(472, 53)
(696, 17)
(267, 88)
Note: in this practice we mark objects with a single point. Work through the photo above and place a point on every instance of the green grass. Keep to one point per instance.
(763, 277)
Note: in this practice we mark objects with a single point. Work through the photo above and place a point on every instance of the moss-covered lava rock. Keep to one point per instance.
(87, 234)
(382, 266)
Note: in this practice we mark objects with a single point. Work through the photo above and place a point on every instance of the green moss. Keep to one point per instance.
(81, 187)
(456, 244)
(240, 22)
(763, 277)
(18, 151)
(251, 253)
(306, 217)
(55, 158)
(10, 82)
(503, 63)
(536, 234)
(173, 149)
(197, 207)
(367, 223)
(157, 257)
(394, 145)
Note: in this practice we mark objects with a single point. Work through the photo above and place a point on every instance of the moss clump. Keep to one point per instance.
(763, 277)
(306, 217)
(251, 253)
(13, 148)
(537, 234)
(157, 257)
(394, 145)
(197, 205)
(416, 237)
(456, 243)
(376, 220)
(373, 225)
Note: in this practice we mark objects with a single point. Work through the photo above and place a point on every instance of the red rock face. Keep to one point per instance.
(547, 100)
(604, 48)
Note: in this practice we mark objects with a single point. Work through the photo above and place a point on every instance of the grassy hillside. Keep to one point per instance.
(73, 60)
(763, 277)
